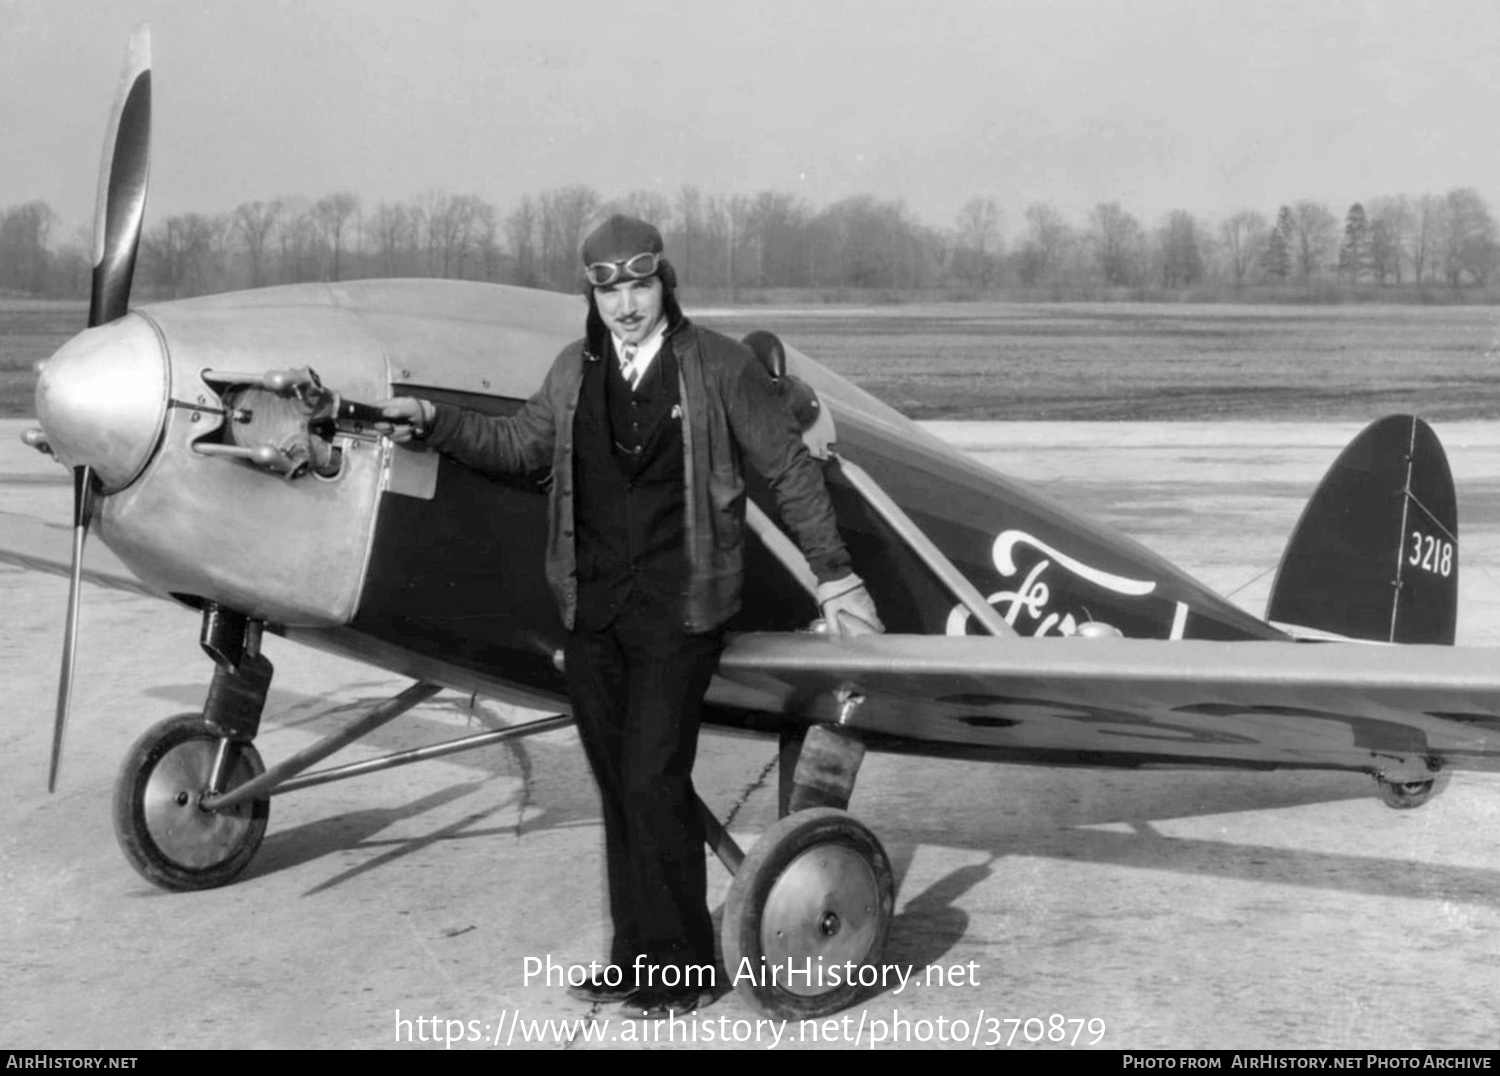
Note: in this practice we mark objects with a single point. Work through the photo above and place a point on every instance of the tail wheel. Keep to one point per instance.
(162, 829)
(1404, 795)
(810, 906)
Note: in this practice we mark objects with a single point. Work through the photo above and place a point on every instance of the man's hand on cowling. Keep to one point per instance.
(848, 608)
(409, 418)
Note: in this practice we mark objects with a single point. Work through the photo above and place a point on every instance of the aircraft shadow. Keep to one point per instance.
(314, 840)
(930, 923)
(1034, 812)
(1144, 848)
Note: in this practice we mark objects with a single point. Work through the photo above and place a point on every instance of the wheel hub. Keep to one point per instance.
(173, 819)
(823, 911)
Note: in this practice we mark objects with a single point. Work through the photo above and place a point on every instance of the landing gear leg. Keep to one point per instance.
(818, 767)
(816, 892)
(160, 822)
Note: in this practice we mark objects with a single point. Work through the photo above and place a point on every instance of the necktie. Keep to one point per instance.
(627, 366)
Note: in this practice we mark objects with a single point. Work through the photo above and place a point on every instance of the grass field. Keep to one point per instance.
(31, 329)
(1072, 361)
(1077, 361)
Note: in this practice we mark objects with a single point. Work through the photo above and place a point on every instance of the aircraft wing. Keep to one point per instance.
(31, 543)
(1395, 710)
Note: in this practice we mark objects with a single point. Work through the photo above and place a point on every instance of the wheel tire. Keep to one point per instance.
(163, 832)
(1404, 795)
(816, 885)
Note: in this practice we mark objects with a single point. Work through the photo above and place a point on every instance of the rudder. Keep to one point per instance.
(1375, 554)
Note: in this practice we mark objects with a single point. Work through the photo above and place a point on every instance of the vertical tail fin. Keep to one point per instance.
(1375, 554)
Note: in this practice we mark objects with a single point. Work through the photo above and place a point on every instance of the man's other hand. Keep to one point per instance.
(848, 608)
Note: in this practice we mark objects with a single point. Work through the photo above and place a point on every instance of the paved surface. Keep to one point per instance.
(1181, 909)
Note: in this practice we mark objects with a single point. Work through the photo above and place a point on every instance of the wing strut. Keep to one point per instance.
(781, 547)
(309, 756)
(422, 754)
(930, 555)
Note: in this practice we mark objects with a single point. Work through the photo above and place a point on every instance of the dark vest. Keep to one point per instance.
(629, 492)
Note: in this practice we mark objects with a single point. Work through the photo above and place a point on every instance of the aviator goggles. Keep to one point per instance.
(637, 267)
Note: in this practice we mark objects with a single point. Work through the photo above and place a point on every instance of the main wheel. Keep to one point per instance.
(1404, 795)
(163, 831)
(810, 906)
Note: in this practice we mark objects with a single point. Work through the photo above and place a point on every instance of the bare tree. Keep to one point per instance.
(1044, 250)
(1180, 242)
(1392, 220)
(438, 228)
(1314, 227)
(1117, 240)
(296, 240)
(691, 226)
(728, 220)
(565, 213)
(72, 263)
(521, 234)
(1244, 238)
(427, 211)
(1469, 240)
(1425, 236)
(489, 256)
(24, 230)
(253, 221)
(332, 216)
(865, 243)
(1385, 254)
(778, 226)
(651, 206)
(978, 240)
(470, 230)
(392, 235)
(457, 229)
(177, 255)
(223, 255)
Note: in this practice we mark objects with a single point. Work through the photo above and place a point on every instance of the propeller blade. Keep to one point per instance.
(83, 507)
(121, 198)
(119, 208)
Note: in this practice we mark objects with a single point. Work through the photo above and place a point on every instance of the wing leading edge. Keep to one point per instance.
(1401, 711)
(1397, 711)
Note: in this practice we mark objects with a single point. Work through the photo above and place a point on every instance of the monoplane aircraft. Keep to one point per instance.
(218, 452)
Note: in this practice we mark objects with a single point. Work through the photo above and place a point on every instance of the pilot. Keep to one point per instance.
(646, 423)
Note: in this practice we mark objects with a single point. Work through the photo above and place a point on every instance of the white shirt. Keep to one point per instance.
(645, 351)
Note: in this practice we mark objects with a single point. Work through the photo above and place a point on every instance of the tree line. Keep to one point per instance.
(735, 245)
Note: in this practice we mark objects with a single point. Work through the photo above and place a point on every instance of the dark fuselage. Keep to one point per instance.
(460, 578)
(446, 583)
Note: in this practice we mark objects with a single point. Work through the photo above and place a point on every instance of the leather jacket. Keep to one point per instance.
(731, 413)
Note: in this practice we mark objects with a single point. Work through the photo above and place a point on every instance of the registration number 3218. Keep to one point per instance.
(1431, 554)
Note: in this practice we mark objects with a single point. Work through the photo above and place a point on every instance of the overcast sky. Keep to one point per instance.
(1205, 105)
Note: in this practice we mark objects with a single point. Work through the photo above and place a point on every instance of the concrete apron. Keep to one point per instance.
(1182, 909)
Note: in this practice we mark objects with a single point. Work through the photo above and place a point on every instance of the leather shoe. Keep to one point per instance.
(660, 1004)
(596, 991)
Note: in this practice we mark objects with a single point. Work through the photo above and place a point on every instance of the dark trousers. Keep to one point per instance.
(637, 690)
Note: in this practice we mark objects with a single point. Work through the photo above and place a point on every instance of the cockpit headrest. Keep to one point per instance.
(768, 349)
